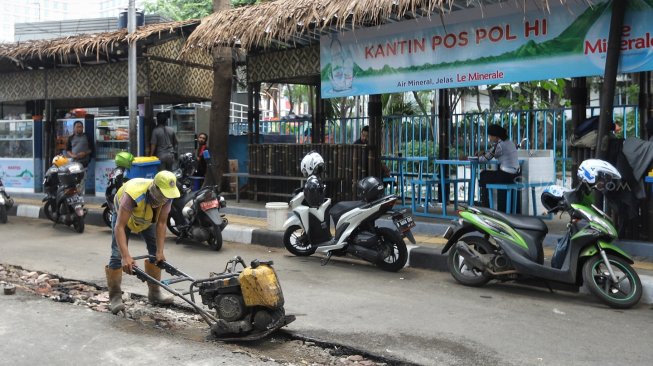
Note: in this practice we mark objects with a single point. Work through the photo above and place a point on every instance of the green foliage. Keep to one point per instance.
(395, 105)
(239, 3)
(180, 9)
(522, 96)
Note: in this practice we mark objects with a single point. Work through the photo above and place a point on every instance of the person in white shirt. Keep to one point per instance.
(505, 152)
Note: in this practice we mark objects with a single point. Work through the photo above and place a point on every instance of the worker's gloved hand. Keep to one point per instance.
(128, 264)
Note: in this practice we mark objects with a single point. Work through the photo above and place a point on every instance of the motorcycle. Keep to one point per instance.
(509, 247)
(196, 215)
(6, 203)
(308, 230)
(116, 179)
(63, 202)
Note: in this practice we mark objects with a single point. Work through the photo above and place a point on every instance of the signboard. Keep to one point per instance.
(103, 169)
(504, 44)
(17, 174)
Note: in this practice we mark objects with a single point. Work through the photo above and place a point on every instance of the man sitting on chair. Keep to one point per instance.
(505, 152)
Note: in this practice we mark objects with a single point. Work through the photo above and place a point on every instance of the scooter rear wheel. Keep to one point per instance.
(215, 238)
(78, 224)
(296, 241)
(397, 254)
(464, 272)
(621, 295)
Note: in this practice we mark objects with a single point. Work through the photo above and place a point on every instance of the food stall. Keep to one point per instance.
(21, 155)
(111, 137)
(183, 122)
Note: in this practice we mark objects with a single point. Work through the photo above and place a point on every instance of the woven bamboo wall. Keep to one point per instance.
(345, 166)
(293, 64)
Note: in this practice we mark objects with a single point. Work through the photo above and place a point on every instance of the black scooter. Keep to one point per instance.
(6, 203)
(63, 202)
(116, 179)
(196, 215)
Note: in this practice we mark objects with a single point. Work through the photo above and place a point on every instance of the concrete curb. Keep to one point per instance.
(418, 256)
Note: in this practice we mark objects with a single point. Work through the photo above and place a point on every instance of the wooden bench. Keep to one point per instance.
(511, 194)
(254, 178)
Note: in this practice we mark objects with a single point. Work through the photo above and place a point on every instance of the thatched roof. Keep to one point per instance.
(89, 48)
(293, 23)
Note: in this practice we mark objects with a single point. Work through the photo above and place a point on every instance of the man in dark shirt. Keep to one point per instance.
(163, 143)
(364, 134)
(79, 146)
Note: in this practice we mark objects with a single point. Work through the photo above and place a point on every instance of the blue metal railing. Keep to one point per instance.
(546, 129)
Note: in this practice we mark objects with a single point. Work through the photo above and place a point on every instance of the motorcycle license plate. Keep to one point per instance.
(207, 205)
(74, 199)
(405, 223)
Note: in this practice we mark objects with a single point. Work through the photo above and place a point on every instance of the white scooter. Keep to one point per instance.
(308, 230)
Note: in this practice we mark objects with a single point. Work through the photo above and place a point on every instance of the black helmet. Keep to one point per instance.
(313, 191)
(187, 163)
(553, 197)
(370, 189)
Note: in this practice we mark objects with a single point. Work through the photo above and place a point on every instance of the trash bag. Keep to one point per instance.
(560, 251)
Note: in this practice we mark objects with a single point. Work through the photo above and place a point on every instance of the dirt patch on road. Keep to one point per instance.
(282, 347)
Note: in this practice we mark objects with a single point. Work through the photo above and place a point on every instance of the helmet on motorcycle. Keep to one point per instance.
(59, 161)
(312, 164)
(369, 189)
(597, 173)
(124, 159)
(187, 163)
(314, 191)
(553, 196)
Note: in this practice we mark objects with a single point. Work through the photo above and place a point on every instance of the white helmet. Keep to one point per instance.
(312, 164)
(592, 169)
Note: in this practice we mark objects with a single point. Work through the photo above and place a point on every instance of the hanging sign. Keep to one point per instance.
(466, 47)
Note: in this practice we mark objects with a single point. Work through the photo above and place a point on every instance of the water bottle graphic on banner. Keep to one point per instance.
(342, 66)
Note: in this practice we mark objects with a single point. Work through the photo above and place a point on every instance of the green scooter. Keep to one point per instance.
(485, 244)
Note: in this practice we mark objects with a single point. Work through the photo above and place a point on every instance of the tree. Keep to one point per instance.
(220, 108)
(179, 9)
(222, 79)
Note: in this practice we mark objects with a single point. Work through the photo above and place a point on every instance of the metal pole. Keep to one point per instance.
(133, 114)
(610, 76)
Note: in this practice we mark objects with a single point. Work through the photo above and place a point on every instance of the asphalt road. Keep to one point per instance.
(415, 315)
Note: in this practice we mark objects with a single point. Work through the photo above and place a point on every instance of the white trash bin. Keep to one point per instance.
(277, 214)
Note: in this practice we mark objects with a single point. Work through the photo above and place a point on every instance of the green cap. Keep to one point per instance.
(167, 183)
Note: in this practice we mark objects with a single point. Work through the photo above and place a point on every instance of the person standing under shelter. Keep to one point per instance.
(505, 152)
(79, 148)
(202, 139)
(163, 143)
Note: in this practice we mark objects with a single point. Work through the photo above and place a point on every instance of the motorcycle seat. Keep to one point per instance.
(516, 221)
(340, 208)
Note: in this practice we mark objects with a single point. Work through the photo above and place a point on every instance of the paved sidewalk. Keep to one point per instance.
(248, 225)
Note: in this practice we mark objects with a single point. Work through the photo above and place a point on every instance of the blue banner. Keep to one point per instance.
(504, 44)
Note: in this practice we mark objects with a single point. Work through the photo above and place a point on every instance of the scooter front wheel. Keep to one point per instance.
(3, 214)
(296, 241)
(48, 211)
(106, 216)
(622, 294)
(464, 272)
(172, 226)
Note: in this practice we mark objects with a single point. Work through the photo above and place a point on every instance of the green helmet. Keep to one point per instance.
(124, 159)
